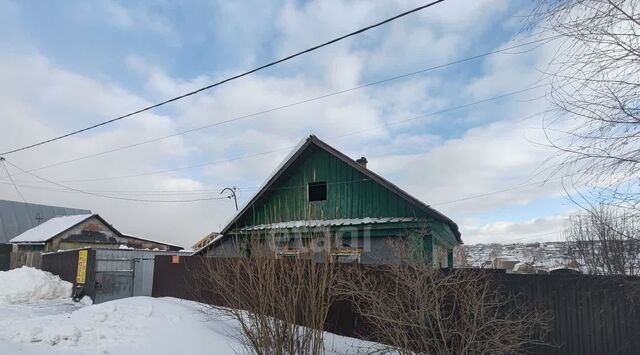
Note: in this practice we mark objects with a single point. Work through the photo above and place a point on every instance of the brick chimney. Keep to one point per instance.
(363, 162)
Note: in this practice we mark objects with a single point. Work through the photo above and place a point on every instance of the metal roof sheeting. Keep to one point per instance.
(18, 217)
(329, 223)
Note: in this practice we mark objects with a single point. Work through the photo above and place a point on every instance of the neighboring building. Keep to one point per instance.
(524, 268)
(135, 242)
(204, 241)
(73, 232)
(318, 191)
(505, 262)
(18, 217)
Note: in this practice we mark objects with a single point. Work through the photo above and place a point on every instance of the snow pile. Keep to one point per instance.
(133, 326)
(27, 284)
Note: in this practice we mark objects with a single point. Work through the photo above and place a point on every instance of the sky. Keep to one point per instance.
(67, 65)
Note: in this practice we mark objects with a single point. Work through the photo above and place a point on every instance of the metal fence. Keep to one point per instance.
(111, 273)
(589, 314)
(5, 256)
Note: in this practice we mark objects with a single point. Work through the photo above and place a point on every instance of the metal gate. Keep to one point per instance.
(111, 274)
(114, 278)
(124, 273)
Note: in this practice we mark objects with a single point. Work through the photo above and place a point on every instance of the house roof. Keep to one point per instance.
(18, 217)
(299, 150)
(129, 236)
(329, 223)
(50, 229)
(54, 227)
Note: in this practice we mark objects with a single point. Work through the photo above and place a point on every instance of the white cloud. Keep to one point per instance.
(129, 17)
(435, 166)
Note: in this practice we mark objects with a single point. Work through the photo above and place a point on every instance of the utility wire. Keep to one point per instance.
(297, 103)
(2, 160)
(441, 203)
(454, 108)
(225, 80)
(107, 196)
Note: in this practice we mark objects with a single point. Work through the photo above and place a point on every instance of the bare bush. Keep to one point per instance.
(605, 240)
(280, 304)
(415, 308)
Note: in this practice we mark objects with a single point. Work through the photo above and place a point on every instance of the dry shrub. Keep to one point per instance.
(280, 304)
(409, 306)
(415, 308)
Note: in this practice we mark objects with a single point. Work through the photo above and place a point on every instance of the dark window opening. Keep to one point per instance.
(318, 191)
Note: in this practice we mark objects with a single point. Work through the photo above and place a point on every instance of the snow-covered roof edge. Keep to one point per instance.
(49, 229)
(131, 236)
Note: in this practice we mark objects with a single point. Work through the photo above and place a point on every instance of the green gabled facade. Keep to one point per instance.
(319, 186)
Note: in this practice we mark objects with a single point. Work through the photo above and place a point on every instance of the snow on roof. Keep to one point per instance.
(507, 258)
(18, 217)
(49, 229)
(127, 235)
(330, 222)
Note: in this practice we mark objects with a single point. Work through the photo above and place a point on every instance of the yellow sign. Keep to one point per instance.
(81, 275)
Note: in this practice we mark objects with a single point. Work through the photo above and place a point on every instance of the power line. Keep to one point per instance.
(415, 118)
(225, 80)
(95, 193)
(441, 111)
(293, 104)
(107, 196)
(12, 182)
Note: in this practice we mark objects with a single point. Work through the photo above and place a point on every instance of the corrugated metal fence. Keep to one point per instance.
(590, 314)
(111, 273)
(124, 272)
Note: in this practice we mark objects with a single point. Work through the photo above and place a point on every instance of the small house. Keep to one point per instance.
(17, 217)
(319, 201)
(74, 232)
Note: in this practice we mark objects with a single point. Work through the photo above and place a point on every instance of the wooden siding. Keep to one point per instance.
(350, 194)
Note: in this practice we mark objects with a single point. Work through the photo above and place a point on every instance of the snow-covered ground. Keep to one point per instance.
(137, 325)
(27, 284)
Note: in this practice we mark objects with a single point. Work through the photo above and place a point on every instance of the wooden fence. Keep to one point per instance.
(590, 314)
(26, 258)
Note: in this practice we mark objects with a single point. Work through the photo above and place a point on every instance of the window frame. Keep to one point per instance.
(316, 184)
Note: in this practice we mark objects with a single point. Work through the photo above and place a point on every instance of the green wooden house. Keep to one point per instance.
(320, 201)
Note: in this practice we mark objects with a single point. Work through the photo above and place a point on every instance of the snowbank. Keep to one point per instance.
(137, 325)
(27, 284)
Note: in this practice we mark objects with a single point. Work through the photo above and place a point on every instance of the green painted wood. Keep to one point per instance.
(428, 248)
(350, 195)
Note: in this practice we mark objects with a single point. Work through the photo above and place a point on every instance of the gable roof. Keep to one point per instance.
(18, 217)
(54, 227)
(315, 141)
